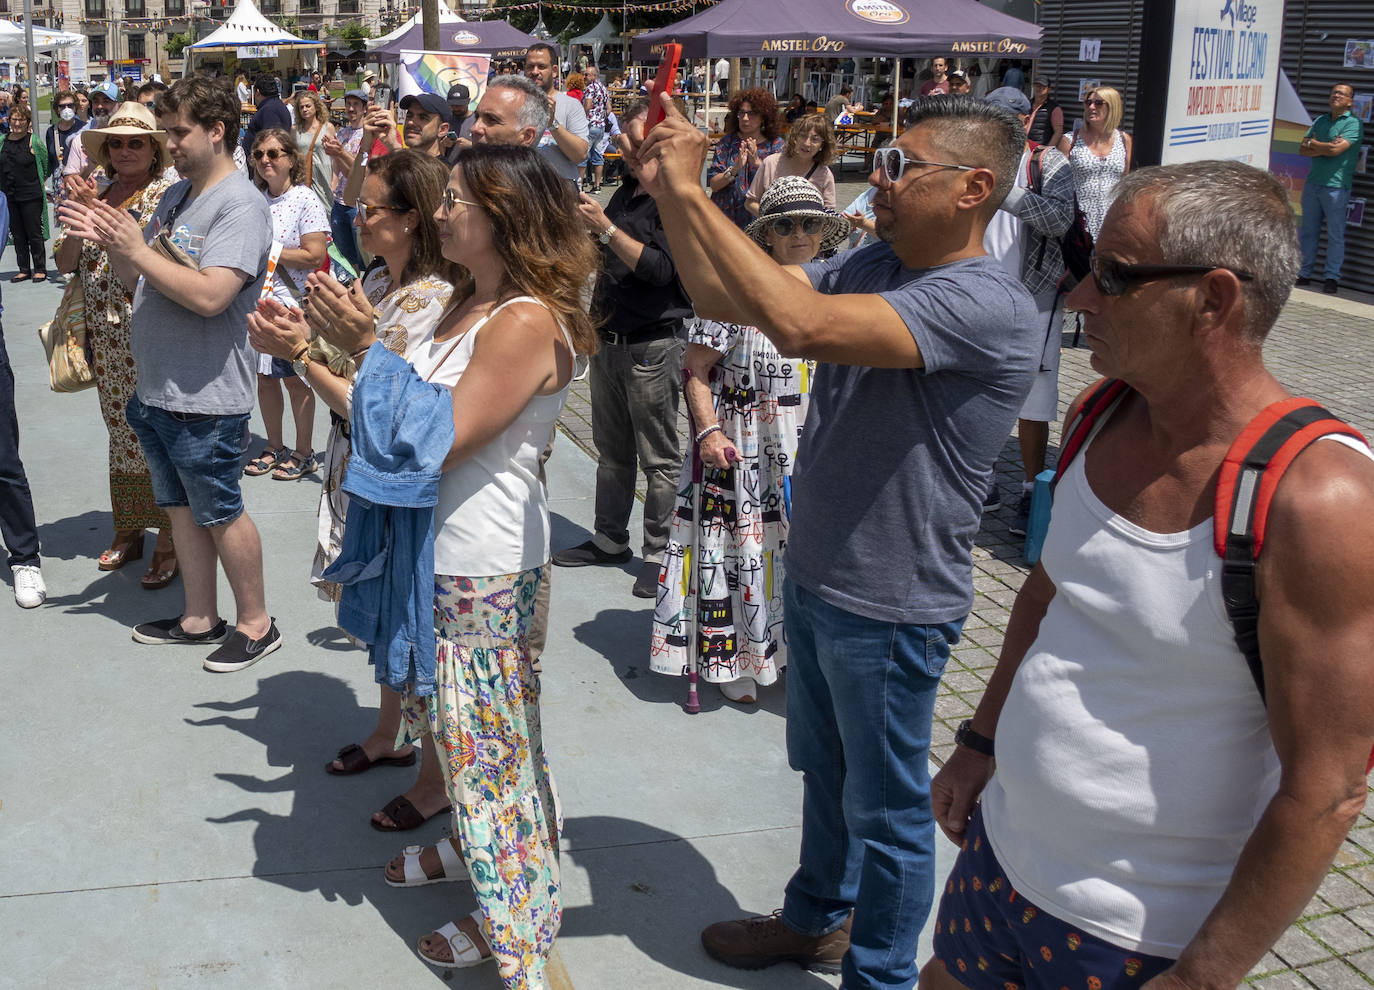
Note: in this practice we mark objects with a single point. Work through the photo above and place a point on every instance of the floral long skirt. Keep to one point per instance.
(484, 715)
(131, 486)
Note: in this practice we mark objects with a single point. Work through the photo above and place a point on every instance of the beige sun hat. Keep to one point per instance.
(128, 120)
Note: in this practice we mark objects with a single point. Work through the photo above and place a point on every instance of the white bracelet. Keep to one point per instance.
(706, 433)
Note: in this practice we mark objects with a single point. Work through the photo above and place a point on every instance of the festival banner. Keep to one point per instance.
(1223, 80)
(1291, 121)
(435, 72)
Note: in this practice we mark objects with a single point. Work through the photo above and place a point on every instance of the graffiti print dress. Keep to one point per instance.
(720, 592)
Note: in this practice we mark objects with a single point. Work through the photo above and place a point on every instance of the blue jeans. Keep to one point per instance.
(193, 459)
(345, 237)
(594, 156)
(18, 527)
(1323, 203)
(860, 697)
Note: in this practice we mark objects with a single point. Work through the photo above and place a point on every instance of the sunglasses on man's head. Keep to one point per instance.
(1114, 278)
(133, 144)
(271, 154)
(787, 226)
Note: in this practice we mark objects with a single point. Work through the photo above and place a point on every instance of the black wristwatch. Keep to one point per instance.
(976, 741)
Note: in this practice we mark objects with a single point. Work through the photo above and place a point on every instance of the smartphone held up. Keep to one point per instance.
(664, 82)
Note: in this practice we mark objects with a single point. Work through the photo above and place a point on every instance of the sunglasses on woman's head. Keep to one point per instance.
(133, 144)
(271, 154)
(786, 226)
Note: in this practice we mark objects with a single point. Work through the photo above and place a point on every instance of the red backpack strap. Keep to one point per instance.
(1250, 475)
(1096, 402)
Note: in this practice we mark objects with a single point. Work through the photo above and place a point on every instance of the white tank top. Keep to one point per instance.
(1133, 752)
(492, 517)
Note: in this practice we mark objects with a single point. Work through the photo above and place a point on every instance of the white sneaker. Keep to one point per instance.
(29, 589)
(742, 690)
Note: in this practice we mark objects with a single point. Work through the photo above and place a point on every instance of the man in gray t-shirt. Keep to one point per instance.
(198, 269)
(921, 376)
(564, 144)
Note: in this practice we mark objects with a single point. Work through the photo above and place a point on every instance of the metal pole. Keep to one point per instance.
(896, 81)
(28, 58)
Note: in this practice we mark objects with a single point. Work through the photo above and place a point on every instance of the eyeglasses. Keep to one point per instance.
(271, 154)
(891, 162)
(1113, 277)
(133, 144)
(785, 226)
(451, 200)
(364, 209)
(1094, 103)
(742, 112)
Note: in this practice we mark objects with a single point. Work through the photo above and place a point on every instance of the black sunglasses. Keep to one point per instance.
(785, 226)
(1113, 278)
(271, 154)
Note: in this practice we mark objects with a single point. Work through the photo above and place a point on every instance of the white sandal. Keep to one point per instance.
(415, 874)
(465, 952)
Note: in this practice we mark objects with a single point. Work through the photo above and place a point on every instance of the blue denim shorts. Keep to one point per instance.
(989, 937)
(594, 154)
(194, 460)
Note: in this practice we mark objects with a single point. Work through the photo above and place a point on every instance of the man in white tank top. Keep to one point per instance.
(1149, 815)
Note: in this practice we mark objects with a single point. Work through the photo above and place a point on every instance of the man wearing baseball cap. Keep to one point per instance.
(460, 131)
(428, 121)
(104, 98)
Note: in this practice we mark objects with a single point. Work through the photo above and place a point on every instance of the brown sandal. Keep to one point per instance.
(162, 570)
(355, 760)
(127, 546)
(404, 815)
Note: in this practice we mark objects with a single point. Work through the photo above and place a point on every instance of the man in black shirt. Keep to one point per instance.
(271, 112)
(635, 375)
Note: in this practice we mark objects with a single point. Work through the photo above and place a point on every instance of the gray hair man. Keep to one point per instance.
(1148, 809)
(513, 110)
(918, 385)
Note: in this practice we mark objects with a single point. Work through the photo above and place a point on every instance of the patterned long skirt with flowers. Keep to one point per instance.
(484, 715)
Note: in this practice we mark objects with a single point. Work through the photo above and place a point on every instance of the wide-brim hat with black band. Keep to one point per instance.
(794, 196)
(128, 120)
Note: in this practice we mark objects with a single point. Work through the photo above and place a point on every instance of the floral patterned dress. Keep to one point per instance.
(719, 608)
(109, 315)
(406, 318)
(731, 198)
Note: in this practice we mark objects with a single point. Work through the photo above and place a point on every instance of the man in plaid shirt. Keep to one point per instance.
(596, 100)
(1024, 236)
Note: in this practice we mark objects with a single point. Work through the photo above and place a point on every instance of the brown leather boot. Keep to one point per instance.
(753, 943)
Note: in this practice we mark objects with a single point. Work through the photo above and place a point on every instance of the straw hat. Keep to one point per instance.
(128, 120)
(794, 196)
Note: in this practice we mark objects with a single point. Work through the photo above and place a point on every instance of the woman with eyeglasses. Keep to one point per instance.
(301, 226)
(808, 150)
(23, 171)
(1100, 154)
(752, 132)
(132, 152)
(721, 618)
(403, 295)
(505, 349)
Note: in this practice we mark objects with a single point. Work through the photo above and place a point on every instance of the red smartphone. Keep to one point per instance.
(663, 83)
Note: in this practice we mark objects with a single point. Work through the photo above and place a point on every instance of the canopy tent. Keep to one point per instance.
(44, 39)
(495, 38)
(841, 28)
(598, 37)
(247, 27)
(446, 16)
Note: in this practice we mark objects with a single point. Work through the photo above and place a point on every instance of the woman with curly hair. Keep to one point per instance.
(810, 147)
(312, 127)
(752, 129)
(505, 349)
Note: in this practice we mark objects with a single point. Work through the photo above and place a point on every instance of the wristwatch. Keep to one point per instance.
(976, 741)
(553, 124)
(301, 362)
(605, 236)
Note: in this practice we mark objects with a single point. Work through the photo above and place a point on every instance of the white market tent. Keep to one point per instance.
(598, 37)
(44, 39)
(245, 27)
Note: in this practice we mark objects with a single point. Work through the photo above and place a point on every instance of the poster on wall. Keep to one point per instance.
(1359, 53)
(1363, 106)
(435, 72)
(1223, 79)
(76, 63)
(1354, 213)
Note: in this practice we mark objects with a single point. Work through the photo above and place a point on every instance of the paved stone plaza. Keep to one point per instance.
(167, 827)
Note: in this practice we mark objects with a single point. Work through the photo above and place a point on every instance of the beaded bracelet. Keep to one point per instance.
(706, 433)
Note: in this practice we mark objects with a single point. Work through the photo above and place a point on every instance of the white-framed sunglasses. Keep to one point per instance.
(891, 162)
(451, 200)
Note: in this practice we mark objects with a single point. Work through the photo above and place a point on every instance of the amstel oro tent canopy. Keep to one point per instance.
(495, 38)
(841, 28)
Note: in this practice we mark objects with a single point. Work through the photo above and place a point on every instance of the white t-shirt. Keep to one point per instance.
(493, 515)
(1002, 238)
(295, 213)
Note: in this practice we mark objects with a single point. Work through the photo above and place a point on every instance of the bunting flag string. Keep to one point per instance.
(666, 6)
